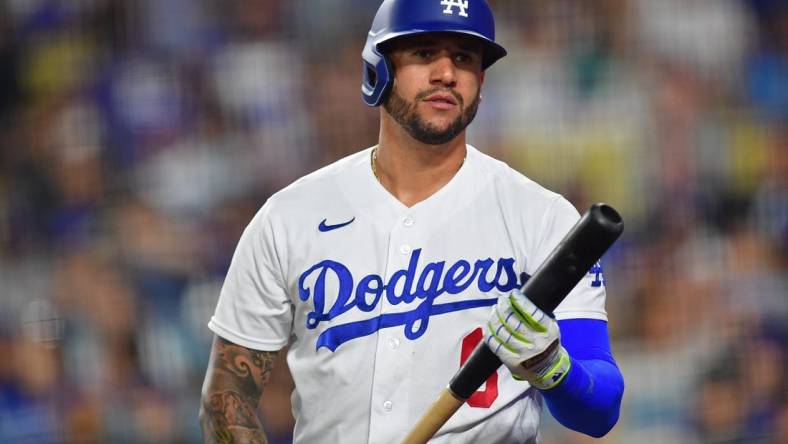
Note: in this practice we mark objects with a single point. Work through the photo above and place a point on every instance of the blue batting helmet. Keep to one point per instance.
(397, 18)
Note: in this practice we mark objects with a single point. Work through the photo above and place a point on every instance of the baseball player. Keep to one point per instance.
(382, 271)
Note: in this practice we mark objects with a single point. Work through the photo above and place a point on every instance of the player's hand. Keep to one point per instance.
(527, 341)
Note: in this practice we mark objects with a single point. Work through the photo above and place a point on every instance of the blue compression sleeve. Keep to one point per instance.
(588, 400)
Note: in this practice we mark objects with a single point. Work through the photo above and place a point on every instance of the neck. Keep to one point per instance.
(411, 170)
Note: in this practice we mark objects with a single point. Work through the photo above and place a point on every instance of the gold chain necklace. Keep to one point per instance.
(372, 160)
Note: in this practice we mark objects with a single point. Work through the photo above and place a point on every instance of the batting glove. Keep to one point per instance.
(527, 341)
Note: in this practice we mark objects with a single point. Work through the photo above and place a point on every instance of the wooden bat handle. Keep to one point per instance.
(440, 412)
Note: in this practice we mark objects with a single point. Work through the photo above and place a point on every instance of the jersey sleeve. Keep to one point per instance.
(253, 309)
(587, 299)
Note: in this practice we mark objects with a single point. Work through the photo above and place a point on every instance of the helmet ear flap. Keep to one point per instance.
(377, 77)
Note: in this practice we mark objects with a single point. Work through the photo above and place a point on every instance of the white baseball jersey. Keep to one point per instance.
(380, 303)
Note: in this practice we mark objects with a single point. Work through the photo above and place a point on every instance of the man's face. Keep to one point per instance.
(437, 85)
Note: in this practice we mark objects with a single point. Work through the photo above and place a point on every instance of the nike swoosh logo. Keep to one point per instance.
(324, 227)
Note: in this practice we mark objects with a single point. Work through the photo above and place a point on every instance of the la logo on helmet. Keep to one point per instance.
(450, 4)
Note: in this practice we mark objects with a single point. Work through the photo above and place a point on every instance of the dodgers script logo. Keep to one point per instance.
(451, 4)
(437, 279)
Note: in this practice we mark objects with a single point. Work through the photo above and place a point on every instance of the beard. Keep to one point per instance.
(404, 113)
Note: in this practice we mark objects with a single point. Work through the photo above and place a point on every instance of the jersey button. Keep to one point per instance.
(408, 222)
(405, 249)
(388, 405)
(393, 343)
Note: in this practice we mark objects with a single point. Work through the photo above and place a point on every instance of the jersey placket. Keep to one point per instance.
(393, 355)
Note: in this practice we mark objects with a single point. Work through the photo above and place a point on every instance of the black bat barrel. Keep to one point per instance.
(571, 259)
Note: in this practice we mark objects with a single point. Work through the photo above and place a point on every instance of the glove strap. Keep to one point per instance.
(550, 372)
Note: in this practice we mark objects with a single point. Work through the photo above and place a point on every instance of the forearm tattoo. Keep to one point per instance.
(235, 381)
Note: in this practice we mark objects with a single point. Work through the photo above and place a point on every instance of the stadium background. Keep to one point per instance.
(138, 137)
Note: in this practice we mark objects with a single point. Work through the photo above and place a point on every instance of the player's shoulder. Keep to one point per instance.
(512, 185)
(318, 185)
(315, 193)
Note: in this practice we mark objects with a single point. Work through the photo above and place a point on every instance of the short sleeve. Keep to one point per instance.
(587, 299)
(253, 309)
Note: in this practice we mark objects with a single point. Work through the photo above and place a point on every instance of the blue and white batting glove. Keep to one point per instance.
(527, 341)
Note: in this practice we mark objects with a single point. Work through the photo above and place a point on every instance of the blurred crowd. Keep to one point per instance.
(138, 137)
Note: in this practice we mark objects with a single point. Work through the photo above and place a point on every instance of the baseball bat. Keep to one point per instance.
(571, 259)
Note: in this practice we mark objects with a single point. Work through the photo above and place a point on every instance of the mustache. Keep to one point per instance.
(424, 94)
